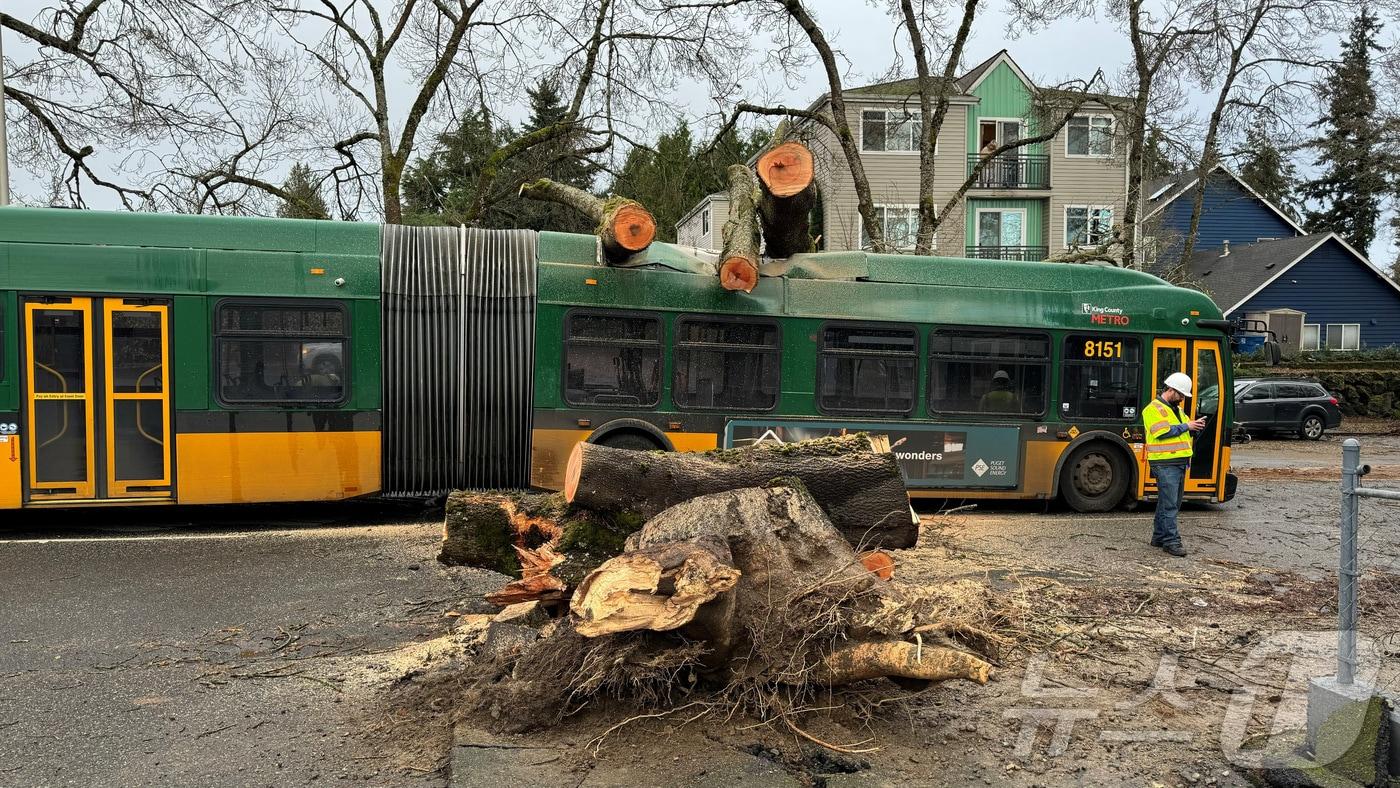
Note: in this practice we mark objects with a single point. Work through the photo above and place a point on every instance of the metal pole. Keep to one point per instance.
(1346, 571)
(4, 146)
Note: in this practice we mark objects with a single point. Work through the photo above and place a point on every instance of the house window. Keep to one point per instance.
(889, 130)
(1343, 336)
(280, 353)
(1089, 135)
(1087, 225)
(705, 222)
(1001, 227)
(1311, 336)
(900, 224)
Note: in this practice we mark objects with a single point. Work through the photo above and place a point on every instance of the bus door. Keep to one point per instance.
(1201, 359)
(97, 399)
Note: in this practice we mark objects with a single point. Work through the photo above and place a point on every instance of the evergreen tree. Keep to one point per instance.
(680, 172)
(1269, 171)
(438, 187)
(1157, 158)
(1351, 158)
(558, 160)
(308, 203)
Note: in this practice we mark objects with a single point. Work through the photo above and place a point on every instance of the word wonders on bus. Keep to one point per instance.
(930, 455)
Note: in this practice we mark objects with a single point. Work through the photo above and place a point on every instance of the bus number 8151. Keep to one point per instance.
(1103, 348)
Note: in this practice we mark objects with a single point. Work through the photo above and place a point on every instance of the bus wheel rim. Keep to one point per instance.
(1093, 475)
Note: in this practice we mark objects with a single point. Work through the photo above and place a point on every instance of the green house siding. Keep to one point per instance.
(1003, 95)
(1035, 218)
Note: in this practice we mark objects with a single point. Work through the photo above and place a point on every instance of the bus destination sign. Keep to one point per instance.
(930, 455)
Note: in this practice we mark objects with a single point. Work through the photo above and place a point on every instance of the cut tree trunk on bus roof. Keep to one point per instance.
(625, 227)
(738, 267)
(862, 492)
(787, 194)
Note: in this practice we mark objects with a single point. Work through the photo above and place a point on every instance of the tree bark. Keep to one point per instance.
(624, 226)
(863, 493)
(738, 267)
(787, 192)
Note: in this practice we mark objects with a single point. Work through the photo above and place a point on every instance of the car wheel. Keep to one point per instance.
(1094, 478)
(1312, 427)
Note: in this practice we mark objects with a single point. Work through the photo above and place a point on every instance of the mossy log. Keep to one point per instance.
(738, 266)
(861, 491)
(507, 532)
(787, 192)
(625, 227)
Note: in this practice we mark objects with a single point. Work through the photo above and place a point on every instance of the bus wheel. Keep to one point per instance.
(1095, 478)
(626, 439)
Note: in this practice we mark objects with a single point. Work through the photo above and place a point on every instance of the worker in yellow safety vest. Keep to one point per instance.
(1169, 456)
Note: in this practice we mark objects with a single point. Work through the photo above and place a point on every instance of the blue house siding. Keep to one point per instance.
(1228, 213)
(1332, 286)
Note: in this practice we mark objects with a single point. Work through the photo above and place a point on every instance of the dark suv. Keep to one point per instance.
(1286, 405)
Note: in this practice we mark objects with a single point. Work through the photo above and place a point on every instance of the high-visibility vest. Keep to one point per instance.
(1158, 417)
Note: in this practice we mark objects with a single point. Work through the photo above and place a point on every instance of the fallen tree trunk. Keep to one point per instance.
(738, 259)
(624, 226)
(788, 192)
(862, 492)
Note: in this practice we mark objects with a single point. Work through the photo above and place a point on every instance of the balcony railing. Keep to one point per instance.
(1032, 254)
(1011, 171)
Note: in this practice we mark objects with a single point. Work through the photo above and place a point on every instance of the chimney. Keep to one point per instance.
(1224, 248)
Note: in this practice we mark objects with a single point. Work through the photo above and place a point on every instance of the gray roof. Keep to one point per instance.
(1173, 185)
(1231, 278)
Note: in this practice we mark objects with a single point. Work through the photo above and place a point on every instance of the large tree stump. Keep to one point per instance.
(787, 186)
(624, 226)
(862, 492)
(738, 260)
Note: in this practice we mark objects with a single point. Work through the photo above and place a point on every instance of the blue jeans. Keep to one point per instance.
(1171, 484)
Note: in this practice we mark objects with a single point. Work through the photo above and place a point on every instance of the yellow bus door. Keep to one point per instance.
(61, 455)
(137, 401)
(1201, 359)
(97, 393)
(1206, 474)
(1168, 356)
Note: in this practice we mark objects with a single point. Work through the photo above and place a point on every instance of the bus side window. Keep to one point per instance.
(282, 353)
(1102, 377)
(726, 364)
(612, 359)
(988, 371)
(867, 369)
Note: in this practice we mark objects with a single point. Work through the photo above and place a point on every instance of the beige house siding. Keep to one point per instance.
(690, 230)
(893, 176)
(1081, 180)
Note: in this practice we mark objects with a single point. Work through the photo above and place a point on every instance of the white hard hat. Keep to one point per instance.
(1181, 382)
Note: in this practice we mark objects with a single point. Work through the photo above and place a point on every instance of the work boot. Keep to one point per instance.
(1156, 542)
(1174, 548)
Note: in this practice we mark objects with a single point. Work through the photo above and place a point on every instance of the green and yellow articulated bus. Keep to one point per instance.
(154, 359)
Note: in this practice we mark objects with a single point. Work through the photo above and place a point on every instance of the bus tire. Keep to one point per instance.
(1095, 477)
(633, 441)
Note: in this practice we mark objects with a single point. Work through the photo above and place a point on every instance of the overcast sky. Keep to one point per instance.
(869, 40)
